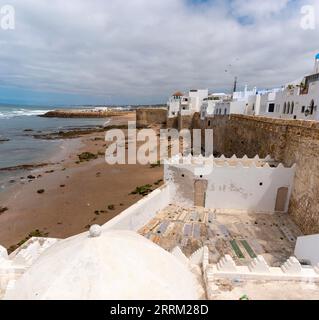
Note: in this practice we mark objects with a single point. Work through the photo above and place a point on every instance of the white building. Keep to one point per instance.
(296, 100)
(186, 104)
(208, 106)
(237, 103)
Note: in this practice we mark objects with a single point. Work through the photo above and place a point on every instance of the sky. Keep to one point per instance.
(141, 51)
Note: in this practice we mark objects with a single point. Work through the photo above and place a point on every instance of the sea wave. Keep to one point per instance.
(7, 114)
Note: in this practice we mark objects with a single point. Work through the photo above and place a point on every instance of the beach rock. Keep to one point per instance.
(24, 167)
(89, 113)
(40, 191)
(86, 156)
(3, 209)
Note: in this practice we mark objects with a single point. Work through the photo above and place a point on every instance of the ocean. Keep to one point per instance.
(17, 144)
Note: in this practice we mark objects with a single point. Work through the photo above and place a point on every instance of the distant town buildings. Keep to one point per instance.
(295, 100)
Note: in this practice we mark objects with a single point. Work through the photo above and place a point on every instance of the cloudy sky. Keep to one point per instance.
(140, 51)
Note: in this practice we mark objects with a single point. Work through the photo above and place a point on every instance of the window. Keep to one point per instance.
(288, 108)
(292, 108)
(285, 107)
(303, 109)
(253, 107)
(225, 111)
(209, 123)
(271, 107)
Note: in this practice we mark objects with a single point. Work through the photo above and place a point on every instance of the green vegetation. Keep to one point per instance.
(158, 182)
(36, 233)
(87, 156)
(156, 164)
(143, 190)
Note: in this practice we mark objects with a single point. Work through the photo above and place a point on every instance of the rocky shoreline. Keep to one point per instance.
(91, 113)
(75, 132)
(25, 167)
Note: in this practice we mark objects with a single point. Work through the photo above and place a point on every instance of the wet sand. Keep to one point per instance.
(76, 195)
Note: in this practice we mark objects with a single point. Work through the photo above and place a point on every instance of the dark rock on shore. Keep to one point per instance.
(75, 133)
(24, 167)
(3, 209)
(87, 156)
(82, 113)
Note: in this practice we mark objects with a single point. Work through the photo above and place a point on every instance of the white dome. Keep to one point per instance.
(113, 265)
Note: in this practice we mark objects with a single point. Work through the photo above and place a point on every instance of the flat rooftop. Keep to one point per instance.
(241, 235)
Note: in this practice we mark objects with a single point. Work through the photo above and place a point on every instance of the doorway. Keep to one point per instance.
(200, 187)
(282, 195)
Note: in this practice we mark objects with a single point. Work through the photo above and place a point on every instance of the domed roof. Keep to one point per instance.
(317, 56)
(177, 94)
(106, 265)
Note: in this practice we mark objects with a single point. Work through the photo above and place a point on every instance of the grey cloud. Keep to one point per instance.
(141, 50)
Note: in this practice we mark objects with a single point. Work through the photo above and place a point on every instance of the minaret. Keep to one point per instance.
(235, 85)
(316, 69)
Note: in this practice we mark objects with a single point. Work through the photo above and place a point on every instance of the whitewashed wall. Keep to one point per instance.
(237, 107)
(292, 96)
(136, 216)
(249, 189)
(307, 248)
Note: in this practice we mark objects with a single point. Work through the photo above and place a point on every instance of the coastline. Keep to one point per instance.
(75, 194)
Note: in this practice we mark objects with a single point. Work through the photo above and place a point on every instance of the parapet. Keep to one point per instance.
(258, 269)
(222, 161)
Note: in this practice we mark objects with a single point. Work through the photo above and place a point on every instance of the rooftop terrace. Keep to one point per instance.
(242, 236)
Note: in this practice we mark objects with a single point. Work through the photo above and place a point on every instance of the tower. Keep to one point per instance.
(235, 85)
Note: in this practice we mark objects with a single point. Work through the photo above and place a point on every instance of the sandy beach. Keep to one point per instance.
(65, 198)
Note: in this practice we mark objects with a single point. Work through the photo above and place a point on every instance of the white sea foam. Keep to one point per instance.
(7, 114)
